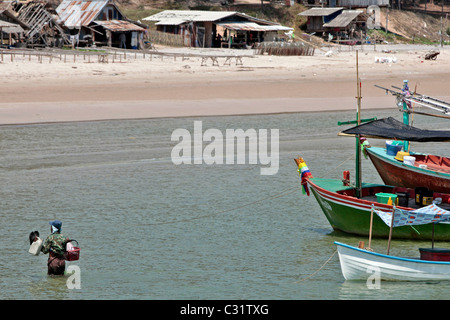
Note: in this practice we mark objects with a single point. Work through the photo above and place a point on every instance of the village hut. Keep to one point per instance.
(348, 27)
(337, 24)
(11, 29)
(317, 17)
(208, 29)
(39, 16)
(99, 22)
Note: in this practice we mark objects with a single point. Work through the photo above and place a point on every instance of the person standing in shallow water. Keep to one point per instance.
(55, 246)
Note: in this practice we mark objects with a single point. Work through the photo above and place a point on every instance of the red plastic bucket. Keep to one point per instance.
(73, 255)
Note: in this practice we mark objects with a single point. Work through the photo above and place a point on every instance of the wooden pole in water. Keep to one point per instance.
(370, 228)
(432, 237)
(390, 231)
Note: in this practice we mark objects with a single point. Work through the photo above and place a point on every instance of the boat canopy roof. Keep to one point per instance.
(390, 128)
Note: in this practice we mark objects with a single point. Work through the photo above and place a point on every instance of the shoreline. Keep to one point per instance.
(43, 92)
(19, 124)
(13, 124)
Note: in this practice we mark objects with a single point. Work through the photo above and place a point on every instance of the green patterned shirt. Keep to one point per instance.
(55, 243)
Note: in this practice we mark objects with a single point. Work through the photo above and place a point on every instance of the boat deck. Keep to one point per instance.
(335, 185)
(432, 162)
(411, 203)
(370, 190)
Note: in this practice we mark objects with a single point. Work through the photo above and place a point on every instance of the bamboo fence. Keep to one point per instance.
(111, 55)
(108, 55)
(284, 49)
(167, 39)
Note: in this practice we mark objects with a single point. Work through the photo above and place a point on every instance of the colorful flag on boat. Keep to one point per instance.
(304, 173)
(424, 215)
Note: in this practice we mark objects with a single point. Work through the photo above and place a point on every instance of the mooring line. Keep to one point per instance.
(314, 273)
(277, 195)
(334, 168)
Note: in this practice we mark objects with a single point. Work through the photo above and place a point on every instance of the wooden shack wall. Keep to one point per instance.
(110, 12)
(314, 23)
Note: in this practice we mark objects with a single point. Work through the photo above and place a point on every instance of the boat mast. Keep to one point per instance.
(358, 137)
(358, 121)
(405, 90)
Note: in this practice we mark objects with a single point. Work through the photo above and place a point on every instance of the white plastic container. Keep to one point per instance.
(69, 246)
(409, 160)
(35, 247)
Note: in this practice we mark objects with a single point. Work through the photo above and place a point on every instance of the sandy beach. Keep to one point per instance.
(134, 86)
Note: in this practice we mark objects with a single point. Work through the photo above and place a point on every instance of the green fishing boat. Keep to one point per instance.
(350, 214)
(348, 206)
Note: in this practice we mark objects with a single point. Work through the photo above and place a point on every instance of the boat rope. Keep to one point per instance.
(315, 272)
(277, 195)
(340, 164)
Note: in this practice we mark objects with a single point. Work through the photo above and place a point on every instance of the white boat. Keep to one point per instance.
(360, 264)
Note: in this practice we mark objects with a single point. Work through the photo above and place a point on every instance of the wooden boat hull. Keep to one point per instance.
(360, 264)
(352, 215)
(396, 173)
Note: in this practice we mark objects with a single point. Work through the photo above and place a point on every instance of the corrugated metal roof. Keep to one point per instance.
(76, 13)
(9, 27)
(177, 17)
(319, 12)
(17, 29)
(189, 15)
(171, 22)
(277, 28)
(6, 24)
(119, 25)
(343, 19)
(251, 26)
(363, 3)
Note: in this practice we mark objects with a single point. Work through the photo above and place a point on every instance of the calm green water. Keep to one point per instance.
(149, 229)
